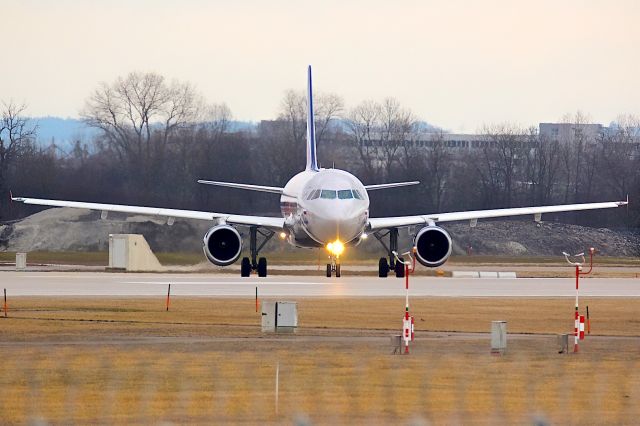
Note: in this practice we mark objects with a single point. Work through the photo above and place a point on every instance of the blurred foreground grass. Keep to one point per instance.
(71, 360)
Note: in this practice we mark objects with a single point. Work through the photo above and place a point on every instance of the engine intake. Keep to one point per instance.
(222, 245)
(433, 246)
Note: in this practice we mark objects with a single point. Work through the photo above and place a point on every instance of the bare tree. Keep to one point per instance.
(363, 122)
(15, 134)
(286, 136)
(619, 154)
(438, 164)
(138, 114)
(379, 132)
(542, 168)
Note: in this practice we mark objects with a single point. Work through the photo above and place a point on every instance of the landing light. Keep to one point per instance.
(336, 248)
(364, 236)
(283, 235)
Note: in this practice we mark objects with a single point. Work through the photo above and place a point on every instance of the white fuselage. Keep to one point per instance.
(323, 206)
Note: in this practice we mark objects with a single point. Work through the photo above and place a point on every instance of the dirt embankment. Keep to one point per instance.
(80, 230)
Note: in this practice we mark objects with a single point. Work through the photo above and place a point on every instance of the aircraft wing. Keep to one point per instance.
(260, 188)
(400, 221)
(390, 185)
(267, 222)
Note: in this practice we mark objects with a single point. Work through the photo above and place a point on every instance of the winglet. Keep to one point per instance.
(624, 203)
(312, 159)
(19, 199)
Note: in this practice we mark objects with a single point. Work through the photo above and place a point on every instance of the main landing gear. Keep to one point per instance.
(384, 265)
(334, 266)
(254, 264)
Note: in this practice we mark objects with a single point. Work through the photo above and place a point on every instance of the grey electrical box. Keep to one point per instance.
(498, 337)
(21, 261)
(563, 343)
(279, 316)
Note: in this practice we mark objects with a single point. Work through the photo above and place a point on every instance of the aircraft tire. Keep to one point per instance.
(245, 267)
(328, 270)
(262, 267)
(400, 268)
(338, 270)
(383, 267)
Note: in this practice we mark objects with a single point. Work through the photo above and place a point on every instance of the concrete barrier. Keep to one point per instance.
(465, 274)
(488, 274)
(506, 274)
(131, 252)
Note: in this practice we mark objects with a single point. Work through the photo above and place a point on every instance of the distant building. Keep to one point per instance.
(571, 132)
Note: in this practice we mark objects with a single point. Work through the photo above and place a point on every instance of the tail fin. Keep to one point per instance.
(312, 159)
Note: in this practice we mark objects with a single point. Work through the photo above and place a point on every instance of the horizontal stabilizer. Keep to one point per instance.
(390, 185)
(260, 188)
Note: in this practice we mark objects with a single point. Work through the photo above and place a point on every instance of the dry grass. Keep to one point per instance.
(128, 361)
(308, 257)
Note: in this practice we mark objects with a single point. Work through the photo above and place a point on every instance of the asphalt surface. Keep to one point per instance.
(136, 284)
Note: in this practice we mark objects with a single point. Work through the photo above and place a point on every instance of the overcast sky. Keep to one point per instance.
(456, 64)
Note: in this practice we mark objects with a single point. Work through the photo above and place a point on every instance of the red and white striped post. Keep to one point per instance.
(577, 316)
(407, 321)
(578, 328)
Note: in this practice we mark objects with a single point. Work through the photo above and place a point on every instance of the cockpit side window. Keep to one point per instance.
(357, 194)
(345, 194)
(314, 194)
(328, 194)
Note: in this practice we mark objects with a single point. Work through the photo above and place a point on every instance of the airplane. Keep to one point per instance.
(322, 208)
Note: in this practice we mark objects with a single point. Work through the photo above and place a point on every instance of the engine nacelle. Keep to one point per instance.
(433, 246)
(222, 245)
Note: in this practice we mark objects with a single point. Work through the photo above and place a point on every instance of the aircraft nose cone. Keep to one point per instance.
(339, 222)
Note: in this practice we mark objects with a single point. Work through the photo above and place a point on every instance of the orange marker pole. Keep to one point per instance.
(588, 321)
(168, 297)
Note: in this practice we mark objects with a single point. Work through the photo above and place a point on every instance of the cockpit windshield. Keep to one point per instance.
(332, 194)
(345, 194)
(328, 194)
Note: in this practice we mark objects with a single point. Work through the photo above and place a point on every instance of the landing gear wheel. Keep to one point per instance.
(328, 270)
(383, 267)
(262, 267)
(245, 267)
(400, 268)
(338, 270)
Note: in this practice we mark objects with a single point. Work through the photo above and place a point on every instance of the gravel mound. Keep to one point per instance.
(64, 229)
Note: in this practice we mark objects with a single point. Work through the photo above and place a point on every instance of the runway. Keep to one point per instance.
(134, 284)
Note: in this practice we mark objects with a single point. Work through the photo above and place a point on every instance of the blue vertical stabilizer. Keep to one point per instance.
(312, 158)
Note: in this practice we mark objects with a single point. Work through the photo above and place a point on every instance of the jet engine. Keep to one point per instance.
(222, 245)
(433, 246)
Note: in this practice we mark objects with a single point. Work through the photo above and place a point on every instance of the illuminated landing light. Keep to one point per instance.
(335, 248)
(283, 235)
(364, 236)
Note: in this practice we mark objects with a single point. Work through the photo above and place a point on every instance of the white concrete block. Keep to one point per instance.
(488, 274)
(465, 274)
(505, 274)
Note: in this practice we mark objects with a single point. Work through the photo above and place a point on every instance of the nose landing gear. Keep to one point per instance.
(334, 266)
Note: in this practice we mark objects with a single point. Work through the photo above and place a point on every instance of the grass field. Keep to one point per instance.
(307, 257)
(72, 360)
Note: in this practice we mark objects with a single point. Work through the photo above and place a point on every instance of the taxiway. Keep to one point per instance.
(137, 284)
